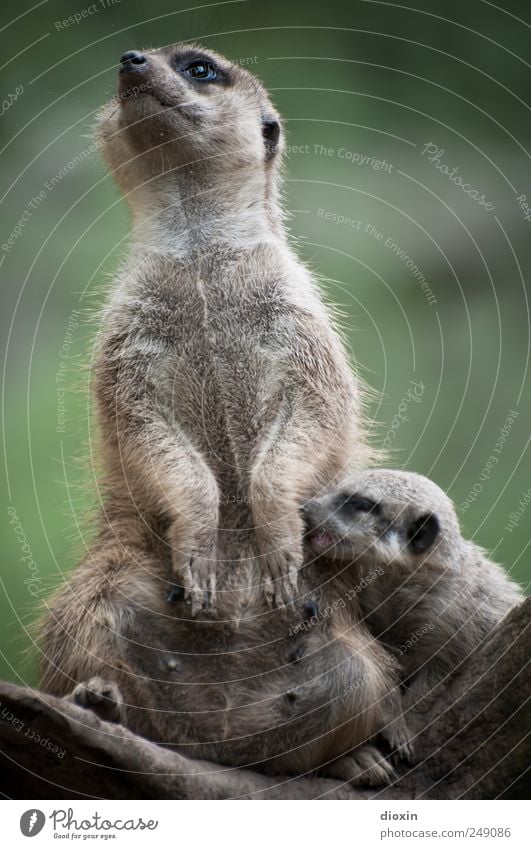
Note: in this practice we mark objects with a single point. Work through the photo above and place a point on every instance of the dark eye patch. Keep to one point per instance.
(359, 504)
(199, 68)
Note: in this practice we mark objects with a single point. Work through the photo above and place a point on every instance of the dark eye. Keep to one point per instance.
(201, 70)
(359, 504)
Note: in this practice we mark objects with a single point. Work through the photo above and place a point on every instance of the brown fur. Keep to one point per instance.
(224, 395)
(284, 693)
(224, 400)
(430, 596)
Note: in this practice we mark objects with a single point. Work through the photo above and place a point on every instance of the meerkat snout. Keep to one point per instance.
(341, 521)
(132, 62)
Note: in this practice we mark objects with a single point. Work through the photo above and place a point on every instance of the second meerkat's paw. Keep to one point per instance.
(364, 765)
(102, 697)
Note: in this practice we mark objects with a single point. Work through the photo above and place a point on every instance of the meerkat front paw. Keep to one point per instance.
(198, 579)
(280, 575)
(364, 765)
(102, 697)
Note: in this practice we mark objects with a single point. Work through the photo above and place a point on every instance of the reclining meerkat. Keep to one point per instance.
(224, 395)
(427, 594)
(319, 695)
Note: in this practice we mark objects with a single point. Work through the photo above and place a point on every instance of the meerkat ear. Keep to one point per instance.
(423, 532)
(271, 134)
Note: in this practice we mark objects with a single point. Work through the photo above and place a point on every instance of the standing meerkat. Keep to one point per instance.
(224, 395)
(432, 596)
(225, 400)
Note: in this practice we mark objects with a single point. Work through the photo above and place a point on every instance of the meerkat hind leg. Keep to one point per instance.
(100, 696)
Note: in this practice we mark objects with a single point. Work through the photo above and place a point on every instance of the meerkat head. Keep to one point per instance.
(185, 111)
(384, 516)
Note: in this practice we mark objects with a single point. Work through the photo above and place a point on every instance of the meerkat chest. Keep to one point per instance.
(222, 336)
(218, 305)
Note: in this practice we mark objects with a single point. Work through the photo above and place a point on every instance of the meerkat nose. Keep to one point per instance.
(131, 58)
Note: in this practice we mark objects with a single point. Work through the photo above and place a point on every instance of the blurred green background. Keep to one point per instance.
(358, 83)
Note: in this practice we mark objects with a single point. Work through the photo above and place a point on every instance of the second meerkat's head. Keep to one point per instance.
(187, 110)
(383, 516)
